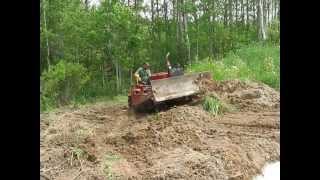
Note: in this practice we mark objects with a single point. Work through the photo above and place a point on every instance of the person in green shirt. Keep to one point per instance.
(143, 74)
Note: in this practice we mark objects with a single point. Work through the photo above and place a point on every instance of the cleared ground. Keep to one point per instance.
(101, 141)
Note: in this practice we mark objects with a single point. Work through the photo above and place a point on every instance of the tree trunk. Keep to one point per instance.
(165, 9)
(261, 24)
(230, 12)
(247, 8)
(157, 2)
(254, 20)
(194, 14)
(225, 17)
(242, 13)
(120, 77)
(103, 75)
(268, 12)
(278, 10)
(187, 37)
(275, 9)
(46, 32)
(86, 3)
(264, 8)
(236, 1)
(117, 75)
(152, 17)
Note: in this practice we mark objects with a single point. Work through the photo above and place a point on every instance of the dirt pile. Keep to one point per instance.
(244, 95)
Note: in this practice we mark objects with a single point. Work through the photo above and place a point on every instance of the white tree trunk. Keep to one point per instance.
(261, 24)
(47, 38)
(103, 75)
(185, 19)
(117, 75)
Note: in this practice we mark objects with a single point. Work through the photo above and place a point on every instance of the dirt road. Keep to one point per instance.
(109, 142)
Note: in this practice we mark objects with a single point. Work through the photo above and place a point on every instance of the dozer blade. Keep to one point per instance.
(177, 86)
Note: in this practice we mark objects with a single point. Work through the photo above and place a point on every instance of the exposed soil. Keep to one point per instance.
(185, 142)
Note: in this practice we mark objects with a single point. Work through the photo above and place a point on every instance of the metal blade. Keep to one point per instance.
(176, 87)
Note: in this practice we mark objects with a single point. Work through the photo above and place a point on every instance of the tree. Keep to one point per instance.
(261, 24)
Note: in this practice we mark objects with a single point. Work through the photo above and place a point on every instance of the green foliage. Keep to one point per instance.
(274, 32)
(260, 62)
(62, 83)
(212, 105)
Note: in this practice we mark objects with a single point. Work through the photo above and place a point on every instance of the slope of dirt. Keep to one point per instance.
(105, 142)
(244, 95)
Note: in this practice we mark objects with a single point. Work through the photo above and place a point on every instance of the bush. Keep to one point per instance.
(62, 83)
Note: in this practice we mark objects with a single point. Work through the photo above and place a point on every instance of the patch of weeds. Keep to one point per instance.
(77, 155)
(109, 159)
(212, 105)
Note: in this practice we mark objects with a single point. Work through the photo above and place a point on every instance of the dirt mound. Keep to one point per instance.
(244, 95)
(185, 142)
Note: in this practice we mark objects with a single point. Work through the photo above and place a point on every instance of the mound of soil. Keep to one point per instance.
(244, 95)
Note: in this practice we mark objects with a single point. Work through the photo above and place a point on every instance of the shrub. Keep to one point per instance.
(61, 84)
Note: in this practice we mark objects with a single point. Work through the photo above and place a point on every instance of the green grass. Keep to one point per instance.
(257, 62)
(212, 105)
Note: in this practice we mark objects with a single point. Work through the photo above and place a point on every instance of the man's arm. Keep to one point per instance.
(136, 75)
(149, 72)
(138, 70)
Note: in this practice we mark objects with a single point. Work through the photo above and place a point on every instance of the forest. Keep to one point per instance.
(91, 50)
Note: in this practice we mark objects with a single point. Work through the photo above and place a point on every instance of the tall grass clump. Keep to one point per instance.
(212, 105)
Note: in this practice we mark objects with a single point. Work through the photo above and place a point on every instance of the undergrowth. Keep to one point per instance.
(257, 62)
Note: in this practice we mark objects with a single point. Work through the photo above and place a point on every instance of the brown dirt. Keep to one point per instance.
(105, 142)
(244, 95)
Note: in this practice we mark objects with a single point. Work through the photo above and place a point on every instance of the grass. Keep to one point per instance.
(77, 154)
(212, 105)
(256, 62)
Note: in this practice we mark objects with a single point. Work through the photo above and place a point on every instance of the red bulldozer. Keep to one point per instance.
(171, 86)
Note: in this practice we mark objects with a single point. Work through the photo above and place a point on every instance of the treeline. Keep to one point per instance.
(92, 50)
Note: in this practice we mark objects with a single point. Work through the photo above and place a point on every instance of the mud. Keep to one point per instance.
(185, 142)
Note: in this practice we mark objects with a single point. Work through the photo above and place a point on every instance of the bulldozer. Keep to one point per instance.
(165, 87)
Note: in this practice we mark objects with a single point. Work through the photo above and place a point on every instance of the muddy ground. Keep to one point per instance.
(101, 141)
